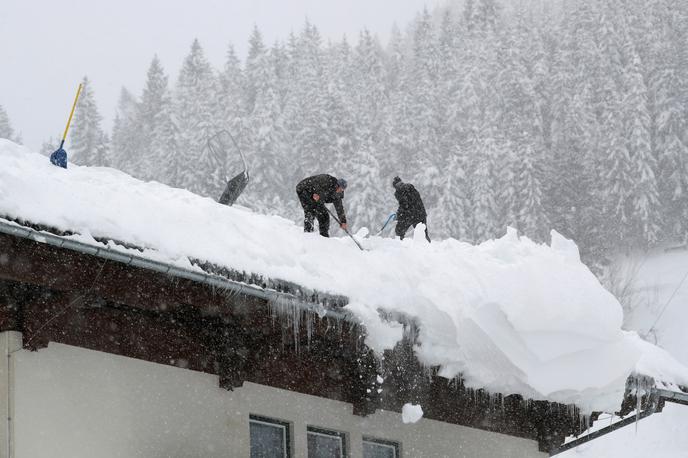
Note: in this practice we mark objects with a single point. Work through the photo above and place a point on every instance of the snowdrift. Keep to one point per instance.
(511, 315)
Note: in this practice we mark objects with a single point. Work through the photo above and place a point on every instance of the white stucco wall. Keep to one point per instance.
(10, 345)
(75, 403)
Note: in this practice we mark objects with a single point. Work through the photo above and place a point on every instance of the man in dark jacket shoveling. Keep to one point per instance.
(314, 192)
(411, 210)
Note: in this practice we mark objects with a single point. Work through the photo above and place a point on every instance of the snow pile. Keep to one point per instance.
(511, 315)
(411, 413)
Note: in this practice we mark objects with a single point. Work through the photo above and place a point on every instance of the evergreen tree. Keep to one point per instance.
(423, 121)
(6, 130)
(340, 106)
(364, 194)
(256, 51)
(308, 113)
(533, 221)
(231, 99)
(484, 195)
(645, 198)
(369, 91)
(50, 145)
(164, 144)
(89, 144)
(268, 146)
(146, 162)
(669, 88)
(482, 15)
(451, 216)
(196, 123)
(125, 133)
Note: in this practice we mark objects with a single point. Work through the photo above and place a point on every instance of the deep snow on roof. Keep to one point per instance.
(510, 315)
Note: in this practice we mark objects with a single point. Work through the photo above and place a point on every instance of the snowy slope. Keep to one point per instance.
(647, 284)
(655, 290)
(513, 316)
(660, 435)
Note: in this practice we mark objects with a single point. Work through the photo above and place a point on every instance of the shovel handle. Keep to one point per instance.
(69, 121)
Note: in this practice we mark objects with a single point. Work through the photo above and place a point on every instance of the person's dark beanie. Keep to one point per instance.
(396, 181)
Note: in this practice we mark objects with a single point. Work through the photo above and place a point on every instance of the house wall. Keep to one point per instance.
(72, 402)
(10, 345)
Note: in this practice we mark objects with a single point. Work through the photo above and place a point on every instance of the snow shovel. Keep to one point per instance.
(217, 144)
(59, 156)
(391, 218)
(345, 230)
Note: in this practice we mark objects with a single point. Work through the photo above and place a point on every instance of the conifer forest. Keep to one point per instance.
(570, 116)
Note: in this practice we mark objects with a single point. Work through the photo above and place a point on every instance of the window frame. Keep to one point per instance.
(396, 446)
(274, 422)
(329, 433)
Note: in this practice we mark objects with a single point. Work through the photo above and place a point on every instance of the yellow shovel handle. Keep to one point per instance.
(69, 121)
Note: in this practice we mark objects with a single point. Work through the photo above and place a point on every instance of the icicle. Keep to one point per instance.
(296, 327)
(309, 328)
(638, 404)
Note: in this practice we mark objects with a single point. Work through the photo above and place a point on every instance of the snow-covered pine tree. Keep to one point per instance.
(532, 219)
(669, 93)
(619, 185)
(164, 145)
(364, 196)
(89, 143)
(146, 163)
(482, 15)
(340, 104)
(267, 141)
(572, 199)
(519, 118)
(125, 134)
(307, 111)
(194, 101)
(423, 120)
(369, 89)
(6, 130)
(395, 57)
(230, 94)
(645, 210)
(50, 145)
(448, 81)
(483, 192)
(256, 51)
(450, 217)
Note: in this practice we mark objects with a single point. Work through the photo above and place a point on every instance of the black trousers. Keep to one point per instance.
(404, 224)
(314, 210)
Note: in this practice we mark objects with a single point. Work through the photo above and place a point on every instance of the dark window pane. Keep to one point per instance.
(323, 445)
(379, 450)
(268, 440)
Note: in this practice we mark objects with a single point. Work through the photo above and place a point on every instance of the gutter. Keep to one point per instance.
(657, 398)
(174, 271)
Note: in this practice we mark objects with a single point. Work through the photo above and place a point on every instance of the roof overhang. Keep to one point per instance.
(62, 290)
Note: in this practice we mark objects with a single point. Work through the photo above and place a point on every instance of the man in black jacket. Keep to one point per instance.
(411, 210)
(314, 192)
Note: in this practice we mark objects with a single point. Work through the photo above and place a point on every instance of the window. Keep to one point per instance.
(323, 443)
(378, 448)
(269, 438)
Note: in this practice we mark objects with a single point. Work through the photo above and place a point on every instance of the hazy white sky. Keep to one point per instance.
(47, 46)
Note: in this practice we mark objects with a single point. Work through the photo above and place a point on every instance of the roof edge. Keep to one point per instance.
(217, 281)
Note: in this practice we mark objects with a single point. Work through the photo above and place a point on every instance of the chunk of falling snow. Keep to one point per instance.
(411, 413)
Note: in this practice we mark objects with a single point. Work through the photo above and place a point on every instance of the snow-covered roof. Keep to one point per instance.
(510, 315)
